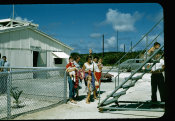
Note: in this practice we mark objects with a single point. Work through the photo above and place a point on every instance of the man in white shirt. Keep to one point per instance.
(1, 63)
(157, 80)
(6, 64)
(5, 76)
(1, 76)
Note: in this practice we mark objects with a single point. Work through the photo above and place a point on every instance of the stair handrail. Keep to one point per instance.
(134, 58)
(156, 51)
(129, 51)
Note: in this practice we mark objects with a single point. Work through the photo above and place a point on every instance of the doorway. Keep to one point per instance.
(35, 58)
(35, 62)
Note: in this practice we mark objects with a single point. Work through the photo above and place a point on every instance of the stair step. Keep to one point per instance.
(128, 86)
(119, 93)
(136, 78)
(110, 101)
(126, 78)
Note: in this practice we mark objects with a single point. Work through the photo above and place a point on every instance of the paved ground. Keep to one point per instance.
(81, 110)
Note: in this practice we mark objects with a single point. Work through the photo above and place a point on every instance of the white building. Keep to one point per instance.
(26, 46)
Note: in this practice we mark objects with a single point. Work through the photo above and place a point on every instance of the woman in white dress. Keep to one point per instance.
(89, 70)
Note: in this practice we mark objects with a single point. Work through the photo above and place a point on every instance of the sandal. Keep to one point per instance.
(72, 101)
(87, 102)
(95, 98)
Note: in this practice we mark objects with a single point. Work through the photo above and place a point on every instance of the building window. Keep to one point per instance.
(58, 60)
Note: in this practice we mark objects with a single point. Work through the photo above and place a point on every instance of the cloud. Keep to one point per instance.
(95, 35)
(20, 19)
(110, 42)
(159, 38)
(155, 17)
(121, 46)
(158, 16)
(122, 21)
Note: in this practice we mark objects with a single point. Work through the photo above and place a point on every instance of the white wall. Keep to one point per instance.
(16, 46)
(18, 58)
(13, 45)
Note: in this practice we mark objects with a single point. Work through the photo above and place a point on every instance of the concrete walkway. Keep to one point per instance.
(81, 110)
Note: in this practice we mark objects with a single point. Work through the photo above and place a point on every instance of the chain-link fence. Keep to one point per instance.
(27, 89)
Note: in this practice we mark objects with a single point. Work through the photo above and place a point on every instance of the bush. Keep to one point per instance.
(110, 58)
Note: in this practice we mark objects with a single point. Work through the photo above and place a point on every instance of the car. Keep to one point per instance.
(106, 77)
(130, 65)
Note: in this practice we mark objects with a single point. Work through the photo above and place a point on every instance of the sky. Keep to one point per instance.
(81, 26)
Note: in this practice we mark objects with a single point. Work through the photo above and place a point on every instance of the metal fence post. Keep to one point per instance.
(118, 78)
(99, 89)
(65, 87)
(9, 82)
(118, 72)
(115, 81)
(146, 45)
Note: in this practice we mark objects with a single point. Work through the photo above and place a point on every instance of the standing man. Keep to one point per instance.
(1, 76)
(5, 77)
(157, 80)
(1, 63)
(6, 64)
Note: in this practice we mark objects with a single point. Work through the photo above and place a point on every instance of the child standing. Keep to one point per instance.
(100, 65)
(98, 72)
(89, 86)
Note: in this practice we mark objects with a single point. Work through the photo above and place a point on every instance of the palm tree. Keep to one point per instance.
(16, 95)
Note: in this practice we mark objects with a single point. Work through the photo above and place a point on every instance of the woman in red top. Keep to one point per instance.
(71, 83)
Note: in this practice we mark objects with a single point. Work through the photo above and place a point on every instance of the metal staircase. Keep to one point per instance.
(123, 87)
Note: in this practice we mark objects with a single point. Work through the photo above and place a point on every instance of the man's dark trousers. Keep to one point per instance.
(157, 80)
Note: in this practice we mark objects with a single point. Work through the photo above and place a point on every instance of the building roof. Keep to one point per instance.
(11, 23)
(53, 39)
(7, 25)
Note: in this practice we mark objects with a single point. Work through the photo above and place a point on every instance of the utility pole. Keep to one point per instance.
(146, 44)
(124, 47)
(103, 45)
(131, 49)
(117, 40)
(131, 46)
(13, 12)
